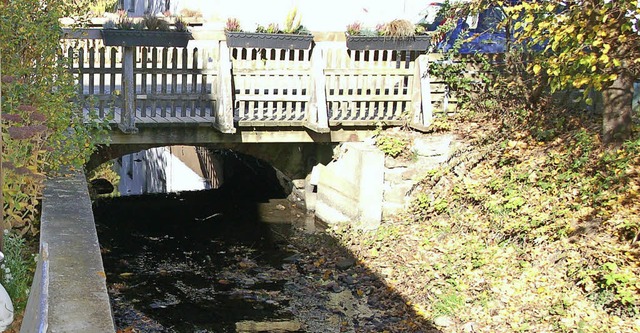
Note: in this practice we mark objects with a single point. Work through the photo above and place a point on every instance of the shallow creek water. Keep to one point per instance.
(196, 262)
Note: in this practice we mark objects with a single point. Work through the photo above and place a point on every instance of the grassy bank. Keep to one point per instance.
(531, 226)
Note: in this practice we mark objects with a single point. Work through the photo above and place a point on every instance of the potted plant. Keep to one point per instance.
(150, 31)
(292, 36)
(394, 35)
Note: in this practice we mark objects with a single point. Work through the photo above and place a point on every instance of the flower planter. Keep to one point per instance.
(264, 40)
(114, 37)
(416, 43)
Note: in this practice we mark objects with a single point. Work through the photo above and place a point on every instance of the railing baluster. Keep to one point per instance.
(195, 105)
(91, 72)
(143, 81)
(203, 83)
(184, 84)
(101, 82)
(112, 82)
(163, 86)
(174, 79)
(83, 95)
(153, 92)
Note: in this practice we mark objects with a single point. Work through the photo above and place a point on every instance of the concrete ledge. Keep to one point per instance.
(77, 293)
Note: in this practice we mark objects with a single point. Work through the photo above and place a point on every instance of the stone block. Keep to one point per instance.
(389, 210)
(298, 183)
(394, 175)
(350, 188)
(435, 145)
(399, 193)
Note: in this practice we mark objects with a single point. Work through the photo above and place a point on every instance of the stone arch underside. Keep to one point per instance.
(293, 160)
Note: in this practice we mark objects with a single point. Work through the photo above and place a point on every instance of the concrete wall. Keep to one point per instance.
(363, 187)
(350, 189)
(69, 292)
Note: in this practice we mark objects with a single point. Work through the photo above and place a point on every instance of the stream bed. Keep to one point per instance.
(196, 262)
(199, 262)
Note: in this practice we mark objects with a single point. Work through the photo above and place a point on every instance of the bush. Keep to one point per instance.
(17, 270)
(43, 130)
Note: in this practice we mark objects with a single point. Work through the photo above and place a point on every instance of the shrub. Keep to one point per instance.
(17, 270)
(233, 25)
(46, 132)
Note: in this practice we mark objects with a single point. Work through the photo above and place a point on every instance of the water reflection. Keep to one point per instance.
(162, 170)
(193, 262)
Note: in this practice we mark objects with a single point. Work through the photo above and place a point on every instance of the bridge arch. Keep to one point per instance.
(295, 160)
(239, 165)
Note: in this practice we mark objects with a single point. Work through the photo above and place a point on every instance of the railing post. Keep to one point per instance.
(128, 117)
(421, 100)
(318, 119)
(224, 112)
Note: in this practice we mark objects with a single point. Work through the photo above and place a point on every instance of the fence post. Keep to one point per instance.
(318, 119)
(128, 121)
(422, 107)
(224, 112)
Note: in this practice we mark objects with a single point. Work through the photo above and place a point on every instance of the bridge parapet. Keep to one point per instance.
(207, 83)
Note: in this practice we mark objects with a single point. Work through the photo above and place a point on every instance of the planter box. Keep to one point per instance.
(263, 40)
(114, 37)
(417, 43)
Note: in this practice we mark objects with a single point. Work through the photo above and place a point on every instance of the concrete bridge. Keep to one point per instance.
(292, 102)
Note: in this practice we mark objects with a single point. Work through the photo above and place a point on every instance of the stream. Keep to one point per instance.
(237, 258)
(196, 262)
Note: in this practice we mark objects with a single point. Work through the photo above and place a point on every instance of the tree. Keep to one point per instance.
(592, 45)
(587, 44)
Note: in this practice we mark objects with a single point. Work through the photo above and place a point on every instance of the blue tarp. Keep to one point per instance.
(486, 37)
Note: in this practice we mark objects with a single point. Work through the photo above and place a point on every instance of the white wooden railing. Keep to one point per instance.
(207, 82)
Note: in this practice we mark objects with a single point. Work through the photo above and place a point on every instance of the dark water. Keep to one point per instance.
(194, 262)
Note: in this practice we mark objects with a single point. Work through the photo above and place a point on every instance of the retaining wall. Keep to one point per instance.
(69, 292)
(349, 189)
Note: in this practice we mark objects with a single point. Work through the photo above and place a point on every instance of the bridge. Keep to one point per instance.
(209, 93)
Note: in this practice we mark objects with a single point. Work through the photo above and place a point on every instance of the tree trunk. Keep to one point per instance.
(617, 109)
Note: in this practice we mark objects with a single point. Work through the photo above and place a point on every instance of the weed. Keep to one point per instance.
(99, 7)
(180, 24)
(447, 304)
(154, 23)
(398, 29)
(391, 146)
(354, 29)
(126, 23)
(17, 270)
(292, 23)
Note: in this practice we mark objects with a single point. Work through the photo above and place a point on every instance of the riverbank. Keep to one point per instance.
(528, 226)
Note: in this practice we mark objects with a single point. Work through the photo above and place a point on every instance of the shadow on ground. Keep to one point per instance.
(200, 262)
